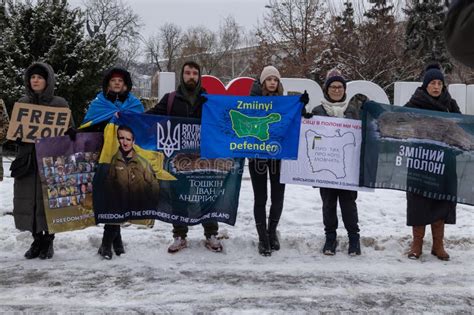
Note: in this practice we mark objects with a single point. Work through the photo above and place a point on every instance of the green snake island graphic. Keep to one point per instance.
(257, 127)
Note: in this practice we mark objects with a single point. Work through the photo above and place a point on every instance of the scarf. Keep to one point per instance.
(335, 109)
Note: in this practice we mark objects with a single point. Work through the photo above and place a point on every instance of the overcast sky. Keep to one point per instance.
(184, 13)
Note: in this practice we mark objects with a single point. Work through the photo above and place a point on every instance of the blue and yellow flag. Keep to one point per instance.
(102, 109)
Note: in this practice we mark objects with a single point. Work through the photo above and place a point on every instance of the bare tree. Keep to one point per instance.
(172, 40)
(113, 19)
(128, 54)
(371, 49)
(152, 50)
(229, 40)
(292, 33)
(200, 44)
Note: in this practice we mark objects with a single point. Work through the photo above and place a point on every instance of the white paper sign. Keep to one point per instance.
(328, 154)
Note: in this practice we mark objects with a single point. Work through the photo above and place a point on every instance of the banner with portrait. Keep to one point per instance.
(251, 126)
(150, 168)
(67, 170)
(429, 153)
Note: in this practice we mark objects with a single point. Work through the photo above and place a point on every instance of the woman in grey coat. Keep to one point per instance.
(28, 207)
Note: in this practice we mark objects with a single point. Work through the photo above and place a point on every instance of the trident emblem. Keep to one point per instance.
(167, 143)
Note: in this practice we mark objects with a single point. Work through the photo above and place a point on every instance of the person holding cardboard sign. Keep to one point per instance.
(28, 206)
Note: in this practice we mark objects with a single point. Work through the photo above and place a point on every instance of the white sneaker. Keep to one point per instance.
(177, 245)
(213, 244)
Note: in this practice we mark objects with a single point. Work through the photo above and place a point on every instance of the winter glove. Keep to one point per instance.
(306, 114)
(304, 98)
(71, 132)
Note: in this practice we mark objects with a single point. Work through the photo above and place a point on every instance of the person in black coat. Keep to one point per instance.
(187, 101)
(335, 104)
(28, 204)
(421, 211)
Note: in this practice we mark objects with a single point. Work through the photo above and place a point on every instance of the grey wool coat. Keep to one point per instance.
(28, 207)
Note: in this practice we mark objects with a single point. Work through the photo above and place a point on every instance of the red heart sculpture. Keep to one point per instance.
(237, 87)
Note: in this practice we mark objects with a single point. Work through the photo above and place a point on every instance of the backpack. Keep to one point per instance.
(169, 104)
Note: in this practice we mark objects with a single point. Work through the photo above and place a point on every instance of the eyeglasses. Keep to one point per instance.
(334, 88)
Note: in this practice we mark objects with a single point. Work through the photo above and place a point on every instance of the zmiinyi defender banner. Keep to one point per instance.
(251, 126)
(67, 170)
(150, 168)
(328, 154)
(428, 153)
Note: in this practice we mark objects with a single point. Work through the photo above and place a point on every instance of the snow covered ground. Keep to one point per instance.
(297, 279)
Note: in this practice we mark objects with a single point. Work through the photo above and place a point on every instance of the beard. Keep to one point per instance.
(190, 85)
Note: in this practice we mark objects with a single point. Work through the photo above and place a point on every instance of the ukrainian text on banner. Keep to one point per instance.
(328, 154)
(66, 171)
(428, 153)
(246, 126)
(150, 168)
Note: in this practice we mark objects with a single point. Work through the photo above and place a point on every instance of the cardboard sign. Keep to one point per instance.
(30, 122)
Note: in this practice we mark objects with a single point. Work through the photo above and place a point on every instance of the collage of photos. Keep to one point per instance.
(69, 178)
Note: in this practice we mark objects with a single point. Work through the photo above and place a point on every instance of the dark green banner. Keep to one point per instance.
(428, 153)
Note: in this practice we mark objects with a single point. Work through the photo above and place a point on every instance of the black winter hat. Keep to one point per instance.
(37, 69)
(113, 71)
(432, 72)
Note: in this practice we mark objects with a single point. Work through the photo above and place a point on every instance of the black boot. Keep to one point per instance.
(272, 235)
(117, 244)
(263, 241)
(47, 249)
(35, 247)
(110, 232)
(354, 244)
(330, 245)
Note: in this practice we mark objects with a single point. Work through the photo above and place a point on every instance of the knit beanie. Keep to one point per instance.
(332, 76)
(37, 69)
(432, 72)
(269, 71)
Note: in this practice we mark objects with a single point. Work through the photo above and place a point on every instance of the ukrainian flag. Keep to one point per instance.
(102, 109)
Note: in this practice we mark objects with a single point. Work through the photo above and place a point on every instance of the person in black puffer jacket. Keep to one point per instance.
(335, 104)
(432, 95)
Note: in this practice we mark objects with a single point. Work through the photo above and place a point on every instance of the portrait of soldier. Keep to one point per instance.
(130, 183)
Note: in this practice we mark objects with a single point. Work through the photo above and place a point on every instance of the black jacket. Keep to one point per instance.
(28, 208)
(422, 210)
(181, 107)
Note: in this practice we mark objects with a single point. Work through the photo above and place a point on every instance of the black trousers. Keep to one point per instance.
(259, 168)
(210, 228)
(347, 202)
